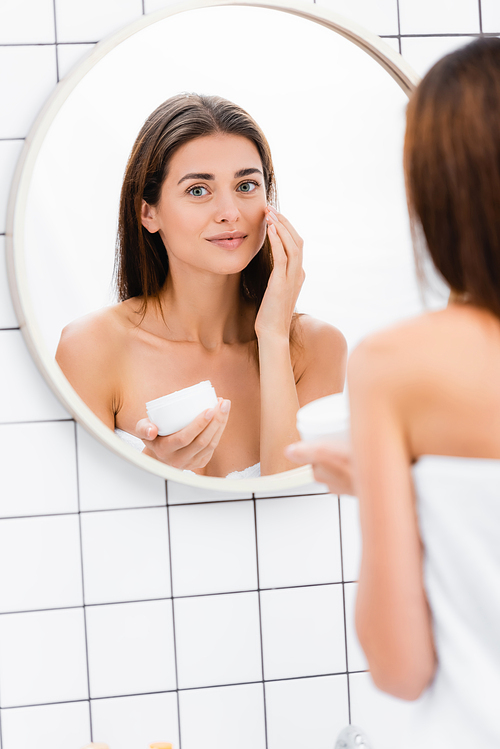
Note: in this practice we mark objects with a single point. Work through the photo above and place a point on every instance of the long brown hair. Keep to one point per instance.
(452, 169)
(141, 261)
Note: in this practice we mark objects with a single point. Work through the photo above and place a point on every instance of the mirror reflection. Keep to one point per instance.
(207, 274)
(334, 121)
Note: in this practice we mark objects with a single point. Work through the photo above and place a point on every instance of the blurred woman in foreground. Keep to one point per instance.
(425, 413)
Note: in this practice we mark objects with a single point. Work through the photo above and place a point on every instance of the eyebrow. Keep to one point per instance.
(208, 177)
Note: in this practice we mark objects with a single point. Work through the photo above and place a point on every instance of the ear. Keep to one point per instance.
(148, 217)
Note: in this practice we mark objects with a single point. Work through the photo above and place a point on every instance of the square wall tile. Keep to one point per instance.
(217, 640)
(49, 485)
(303, 631)
(213, 548)
(385, 719)
(179, 494)
(46, 727)
(223, 718)
(71, 55)
(109, 482)
(423, 52)
(439, 16)
(28, 75)
(490, 12)
(8, 317)
(351, 537)
(133, 722)
(299, 491)
(10, 151)
(380, 17)
(125, 555)
(43, 658)
(94, 19)
(27, 22)
(306, 712)
(131, 648)
(152, 5)
(356, 659)
(24, 396)
(299, 541)
(40, 563)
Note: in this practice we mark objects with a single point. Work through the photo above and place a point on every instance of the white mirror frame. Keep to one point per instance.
(390, 60)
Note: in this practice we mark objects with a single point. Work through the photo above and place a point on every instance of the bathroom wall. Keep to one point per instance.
(133, 611)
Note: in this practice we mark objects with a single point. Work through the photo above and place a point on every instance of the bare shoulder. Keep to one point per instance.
(444, 345)
(317, 335)
(99, 332)
(320, 357)
(90, 354)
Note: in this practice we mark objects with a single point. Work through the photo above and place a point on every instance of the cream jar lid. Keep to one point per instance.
(326, 415)
(179, 395)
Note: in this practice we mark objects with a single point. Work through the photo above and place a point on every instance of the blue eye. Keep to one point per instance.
(247, 186)
(198, 191)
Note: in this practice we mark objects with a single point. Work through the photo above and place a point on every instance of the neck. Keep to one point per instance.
(205, 308)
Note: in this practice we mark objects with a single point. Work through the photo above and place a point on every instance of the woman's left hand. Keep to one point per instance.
(331, 462)
(277, 307)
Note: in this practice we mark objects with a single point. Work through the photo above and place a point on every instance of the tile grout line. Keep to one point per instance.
(260, 618)
(345, 618)
(55, 38)
(83, 581)
(183, 689)
(173, 616)
(169, 598)
(399, 27)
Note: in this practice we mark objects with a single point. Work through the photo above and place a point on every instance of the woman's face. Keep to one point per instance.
(211, 209)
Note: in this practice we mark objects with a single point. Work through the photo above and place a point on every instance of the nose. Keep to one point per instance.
(226, 210)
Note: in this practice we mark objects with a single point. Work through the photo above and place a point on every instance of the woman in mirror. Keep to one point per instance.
(425, 410)
(207, 274)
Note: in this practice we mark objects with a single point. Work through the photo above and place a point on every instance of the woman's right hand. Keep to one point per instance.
(189, 448)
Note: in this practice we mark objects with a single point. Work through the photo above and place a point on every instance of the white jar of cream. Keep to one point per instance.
(175, 411)
(324, 419)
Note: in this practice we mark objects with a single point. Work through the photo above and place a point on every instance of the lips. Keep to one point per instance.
(228, 240)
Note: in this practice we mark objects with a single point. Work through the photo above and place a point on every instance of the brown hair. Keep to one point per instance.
(141, 261)
(452, 169)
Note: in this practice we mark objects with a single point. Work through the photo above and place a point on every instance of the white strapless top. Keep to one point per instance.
(458, 504)
(247, 473)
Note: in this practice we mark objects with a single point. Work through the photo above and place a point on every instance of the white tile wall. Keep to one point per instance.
(8, 317)
(49, 486)
(218, 640)
(303, 631)
(306, 712)
(213, 548)
(154, 663)
(34, 726)
(439, 16)
(70, 55)
(490, 15)
(223, 718)
(131, 648)
(299, 541)
(27, 75)
(43, 658)
(133, 722)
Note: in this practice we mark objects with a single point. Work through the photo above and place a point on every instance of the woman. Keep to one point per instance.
(208, 274)
(425, 409)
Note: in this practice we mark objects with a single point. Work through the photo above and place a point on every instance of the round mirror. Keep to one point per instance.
(333, 113)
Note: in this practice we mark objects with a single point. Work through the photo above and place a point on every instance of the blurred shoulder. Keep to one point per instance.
(418, 350)
(316, 335)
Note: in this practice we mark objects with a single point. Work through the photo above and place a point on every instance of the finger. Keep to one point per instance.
(207, 440)
(293, 231)
(280, 258)
(292, 249)
(146, 430)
